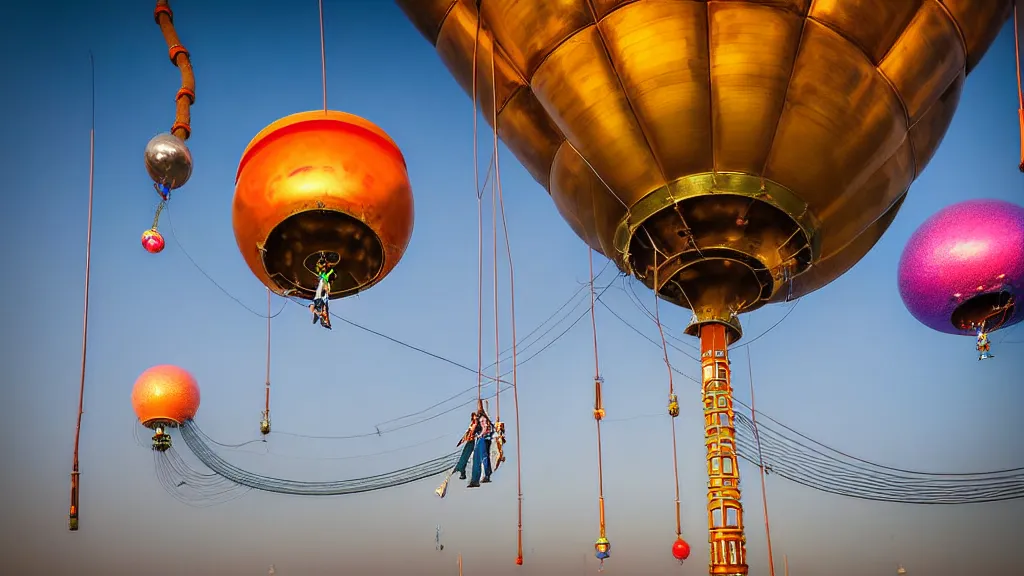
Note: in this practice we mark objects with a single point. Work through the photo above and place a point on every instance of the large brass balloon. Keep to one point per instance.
(762, 146)
(326, 185)
(729, 153)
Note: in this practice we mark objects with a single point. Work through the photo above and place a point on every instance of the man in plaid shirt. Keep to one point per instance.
(469, 439)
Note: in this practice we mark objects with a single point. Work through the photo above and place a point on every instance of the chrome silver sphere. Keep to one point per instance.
(168, 160)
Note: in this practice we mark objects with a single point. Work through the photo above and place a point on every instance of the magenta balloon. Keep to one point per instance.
(966, 250)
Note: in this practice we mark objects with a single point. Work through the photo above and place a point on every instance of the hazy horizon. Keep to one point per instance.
(848, 367)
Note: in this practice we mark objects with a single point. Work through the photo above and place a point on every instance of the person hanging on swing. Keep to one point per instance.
(482, 450)
(983, 346)
(319, 307)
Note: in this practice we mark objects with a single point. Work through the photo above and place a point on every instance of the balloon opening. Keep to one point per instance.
(294, 246)
(160, 422)
(986, 312)
(722, 244)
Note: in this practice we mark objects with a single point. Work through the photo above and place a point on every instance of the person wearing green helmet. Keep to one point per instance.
(319, 307)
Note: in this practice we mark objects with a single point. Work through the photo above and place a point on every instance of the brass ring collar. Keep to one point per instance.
(733, 183)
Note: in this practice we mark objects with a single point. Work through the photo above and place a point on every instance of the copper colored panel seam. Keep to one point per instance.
(959, 31)
(868, 226)
(924, 115)
(440, 24)
(625, 95)
(511, 95)
(789, 83)
(867, 56)
(568, 37)
(571, 35)
(711, 87)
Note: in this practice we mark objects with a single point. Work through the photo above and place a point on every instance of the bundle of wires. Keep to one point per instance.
(799, 459)
(191, 487)
(195, 439)
(783, 452)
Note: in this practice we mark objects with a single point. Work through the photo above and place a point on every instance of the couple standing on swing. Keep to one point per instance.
(477, 440)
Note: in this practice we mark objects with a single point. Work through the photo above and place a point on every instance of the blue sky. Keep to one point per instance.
(849, 366)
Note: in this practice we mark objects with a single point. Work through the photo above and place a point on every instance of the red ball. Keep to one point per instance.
(680, 549)
(519, 560)
(153, 241)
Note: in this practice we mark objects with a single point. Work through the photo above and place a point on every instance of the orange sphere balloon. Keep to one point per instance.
(165, 396)
(322, 184)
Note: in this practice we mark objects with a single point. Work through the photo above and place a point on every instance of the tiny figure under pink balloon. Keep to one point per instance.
(962, 271)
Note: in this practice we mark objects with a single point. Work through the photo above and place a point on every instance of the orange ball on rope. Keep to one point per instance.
(680, 549)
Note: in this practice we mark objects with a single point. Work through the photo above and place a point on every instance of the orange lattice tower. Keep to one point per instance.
(725, 512)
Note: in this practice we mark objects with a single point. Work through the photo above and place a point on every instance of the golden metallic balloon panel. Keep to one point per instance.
(754, 151)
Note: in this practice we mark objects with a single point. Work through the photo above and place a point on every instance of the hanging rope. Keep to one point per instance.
(164, 195)
(1020, 89)
(186, 95)
(265, 423)
(480, 233)
(323, 54)
(73, 510)
(494, 230)
(602, 547)
(760, 467)
(511, 298)
(498, 440)
(673, 402)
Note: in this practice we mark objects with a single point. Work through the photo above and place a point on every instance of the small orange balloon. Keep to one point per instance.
(165, 396)
(322, 185)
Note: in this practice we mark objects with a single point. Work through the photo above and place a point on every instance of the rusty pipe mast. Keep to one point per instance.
(180, 57)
